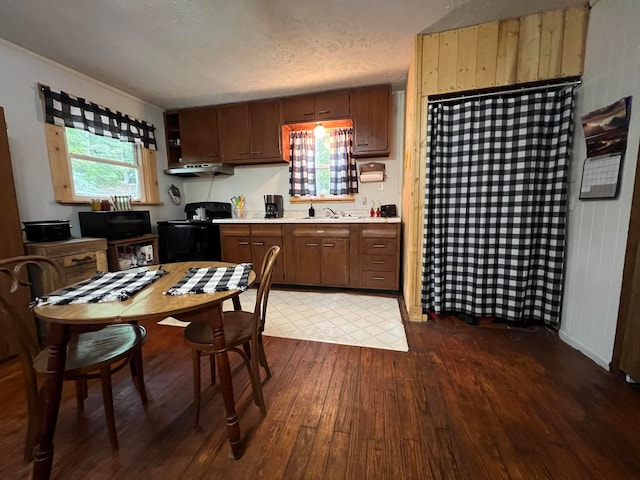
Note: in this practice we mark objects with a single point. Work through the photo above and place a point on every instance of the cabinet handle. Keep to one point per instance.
(306, 114)
(312, 244)
(256, 153)
(379, 245)
(363, 144)
(258, 243)
(328, 244)
(377, 278)
(213, 155)
(244, 153)
(323, 111)
(378, 262)
(243, 243)
(81, 260)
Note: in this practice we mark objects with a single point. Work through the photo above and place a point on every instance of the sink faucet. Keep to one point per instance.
(327, 214)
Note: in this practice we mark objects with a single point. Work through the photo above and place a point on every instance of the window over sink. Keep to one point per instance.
(321, 166)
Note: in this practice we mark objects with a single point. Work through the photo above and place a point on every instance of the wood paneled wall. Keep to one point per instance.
(544, 46)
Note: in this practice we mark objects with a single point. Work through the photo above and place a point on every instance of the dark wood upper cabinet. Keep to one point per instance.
(316, 107)
(234, 133)
(332, 105)
(371, 112)
(299, 109)
(249, 132)
(199, 135)
(264, 120)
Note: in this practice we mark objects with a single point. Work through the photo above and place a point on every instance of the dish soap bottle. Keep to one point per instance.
(312, 211)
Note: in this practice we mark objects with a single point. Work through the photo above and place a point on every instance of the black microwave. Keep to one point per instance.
(115, 225)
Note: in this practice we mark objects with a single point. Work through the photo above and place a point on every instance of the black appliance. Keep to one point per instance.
(195, 237)
(115, 225)
(388, 211)
(273, 206)
(47, 230)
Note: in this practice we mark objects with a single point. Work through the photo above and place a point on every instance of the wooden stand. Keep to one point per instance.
(127, 248)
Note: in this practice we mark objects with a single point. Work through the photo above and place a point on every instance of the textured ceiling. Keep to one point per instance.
(178, 53)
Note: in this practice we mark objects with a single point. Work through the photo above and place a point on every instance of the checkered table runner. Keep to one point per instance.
(209, 280)
(103, 287)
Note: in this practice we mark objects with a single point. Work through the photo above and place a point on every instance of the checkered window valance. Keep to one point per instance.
(68, 111)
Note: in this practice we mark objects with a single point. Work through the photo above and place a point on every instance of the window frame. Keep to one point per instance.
(286, 129)
(61, 175)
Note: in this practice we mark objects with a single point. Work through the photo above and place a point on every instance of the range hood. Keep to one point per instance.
(200, 170)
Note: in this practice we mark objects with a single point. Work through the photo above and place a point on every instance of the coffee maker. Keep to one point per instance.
(273, 206)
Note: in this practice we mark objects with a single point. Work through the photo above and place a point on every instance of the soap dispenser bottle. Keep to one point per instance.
(312, 211)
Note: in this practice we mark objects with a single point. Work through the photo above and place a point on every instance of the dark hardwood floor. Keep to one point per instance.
(467, 402)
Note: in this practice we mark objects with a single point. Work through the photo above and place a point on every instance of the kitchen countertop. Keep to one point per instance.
(258, 217)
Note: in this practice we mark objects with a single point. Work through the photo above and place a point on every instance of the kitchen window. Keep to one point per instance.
(103, 166)
(96, 152)
(321, 166)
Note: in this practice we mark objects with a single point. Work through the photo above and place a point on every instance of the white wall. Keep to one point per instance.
(597, 232)
(256, 181)
(21, 72)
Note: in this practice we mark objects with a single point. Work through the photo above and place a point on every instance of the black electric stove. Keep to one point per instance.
(194, 237)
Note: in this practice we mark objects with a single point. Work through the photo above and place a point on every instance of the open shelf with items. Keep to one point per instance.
(172, 135)
(132, 252)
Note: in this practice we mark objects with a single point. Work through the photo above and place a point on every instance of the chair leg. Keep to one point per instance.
(137, 373)
(81, 392)
(107, 398)
(195, 354)
(212, 368)
(32, 429)
(263, 357)
(254, 372)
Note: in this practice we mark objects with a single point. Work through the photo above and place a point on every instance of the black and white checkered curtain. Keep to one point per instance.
(495, 210)
(302, 166)
(68, 111)
(342, 167)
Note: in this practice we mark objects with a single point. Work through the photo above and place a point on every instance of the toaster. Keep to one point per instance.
(388, 211)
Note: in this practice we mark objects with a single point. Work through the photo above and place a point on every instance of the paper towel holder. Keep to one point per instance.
(372, 172)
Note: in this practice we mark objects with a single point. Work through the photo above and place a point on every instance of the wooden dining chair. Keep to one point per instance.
(95, 354)
(241, 328)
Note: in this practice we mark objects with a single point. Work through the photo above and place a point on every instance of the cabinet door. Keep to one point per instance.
(234, 133)
(371, 111)
(335, 262)
(299, 109)
(199, 135)
(11, 241)
(265, 131)
(259, 247)
(235, 243)
(307, 260)
(332, 105)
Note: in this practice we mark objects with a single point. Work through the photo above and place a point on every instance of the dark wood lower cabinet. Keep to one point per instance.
(341, 255)
(249, 243)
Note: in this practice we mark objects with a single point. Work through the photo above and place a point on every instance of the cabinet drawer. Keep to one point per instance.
(321, 231)
(79, 259)
(79, 272)
(380, 231)
(243, 230)
(379, 246)
(378, 280)
(379, 263)
(266, 230)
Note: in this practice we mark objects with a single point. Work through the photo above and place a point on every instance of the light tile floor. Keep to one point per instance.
(344, 318)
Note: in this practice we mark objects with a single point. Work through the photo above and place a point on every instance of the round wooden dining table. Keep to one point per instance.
(149, 304)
